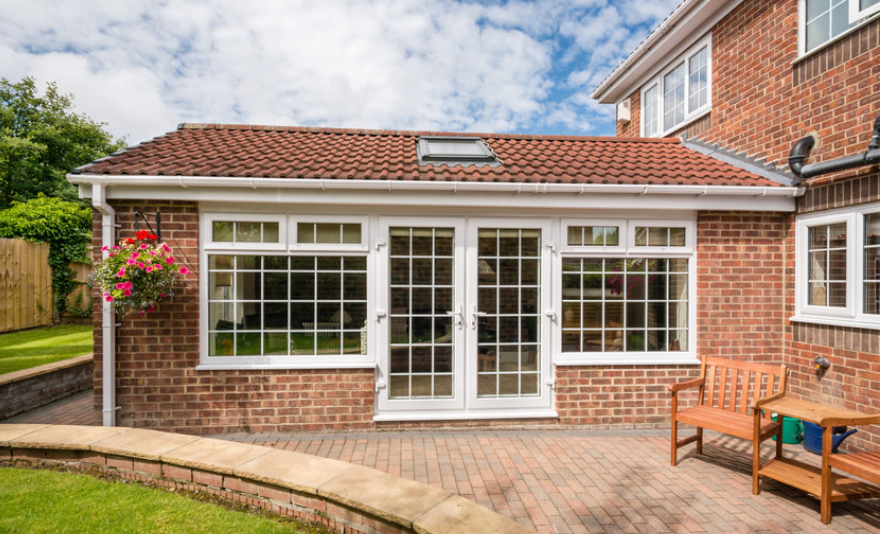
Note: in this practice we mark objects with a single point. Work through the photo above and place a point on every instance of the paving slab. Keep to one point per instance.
(143, 444)
(213, 455)
(383, 495)
(457, 515)
(67, 437)
(301, 472)
(11, 432)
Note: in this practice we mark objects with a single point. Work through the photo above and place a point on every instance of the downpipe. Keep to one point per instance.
(108, 324)
(800, 152)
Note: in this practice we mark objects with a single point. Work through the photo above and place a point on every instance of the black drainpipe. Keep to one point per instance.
(801, 151)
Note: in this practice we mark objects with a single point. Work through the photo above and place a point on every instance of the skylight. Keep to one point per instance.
(455, 150)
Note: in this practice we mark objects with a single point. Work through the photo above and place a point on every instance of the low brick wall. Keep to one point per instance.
(25, 390)
(341, 496)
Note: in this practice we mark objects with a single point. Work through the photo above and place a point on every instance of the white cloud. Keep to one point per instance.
(143, 67)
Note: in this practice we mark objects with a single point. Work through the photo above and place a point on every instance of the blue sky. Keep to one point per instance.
(142, 67)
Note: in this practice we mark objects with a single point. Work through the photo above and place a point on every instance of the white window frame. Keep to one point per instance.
(857, 17)
(287, 246)
(657, 81)
(207, 233)
(629, 250)
(295, 220)
(852, 315)
(855, 13)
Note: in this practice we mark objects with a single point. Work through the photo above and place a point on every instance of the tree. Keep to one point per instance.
(42, 139)
(66, 226)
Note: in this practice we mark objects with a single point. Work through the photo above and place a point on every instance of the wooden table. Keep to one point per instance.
(818, 481)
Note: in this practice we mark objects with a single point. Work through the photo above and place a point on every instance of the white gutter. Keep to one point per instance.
(108, 325)
(98, 181)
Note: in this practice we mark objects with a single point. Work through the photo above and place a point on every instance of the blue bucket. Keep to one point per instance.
(813, 437)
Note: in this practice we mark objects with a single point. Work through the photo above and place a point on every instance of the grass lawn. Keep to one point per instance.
(30, 348)
(50, 502)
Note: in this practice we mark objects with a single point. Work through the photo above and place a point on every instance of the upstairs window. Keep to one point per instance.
(681, 93)
(822, 21)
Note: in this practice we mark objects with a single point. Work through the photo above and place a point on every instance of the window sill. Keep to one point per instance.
(621, 358)
(831, 42)
(699, 115)
(424, 415)
(304, 365)
(837, 321)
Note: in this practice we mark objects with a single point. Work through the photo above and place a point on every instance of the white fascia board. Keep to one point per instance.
(442, 194)
(691, 20)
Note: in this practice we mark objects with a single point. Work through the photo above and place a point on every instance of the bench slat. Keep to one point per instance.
(865, 465)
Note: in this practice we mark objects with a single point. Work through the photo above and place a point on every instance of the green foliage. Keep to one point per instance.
(38, 346)
(42, 139)
(46, 502)
(66, 226)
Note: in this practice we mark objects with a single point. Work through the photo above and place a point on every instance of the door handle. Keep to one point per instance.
(474, 314)
(458, 316)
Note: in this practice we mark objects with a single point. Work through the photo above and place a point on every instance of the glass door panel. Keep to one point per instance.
(508, 314)
(422, 319)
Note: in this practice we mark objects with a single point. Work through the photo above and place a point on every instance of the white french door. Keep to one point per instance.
(463, 318)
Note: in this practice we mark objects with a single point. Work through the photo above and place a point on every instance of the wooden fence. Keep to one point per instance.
(80, 299)
(25, 285)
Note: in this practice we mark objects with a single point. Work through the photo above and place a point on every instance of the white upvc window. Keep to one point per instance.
(283, 291)
(681, 92)
(838, 267)
(823, 21)
(628, 300)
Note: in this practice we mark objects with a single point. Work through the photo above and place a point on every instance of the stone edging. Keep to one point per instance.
(27, 389)
(341, 496)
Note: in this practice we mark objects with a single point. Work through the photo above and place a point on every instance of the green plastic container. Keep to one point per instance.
(792, 430)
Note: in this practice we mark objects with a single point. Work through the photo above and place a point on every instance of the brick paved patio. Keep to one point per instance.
(572, 481)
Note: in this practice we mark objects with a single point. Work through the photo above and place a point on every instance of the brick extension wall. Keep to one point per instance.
(158, 385)
(739, 268)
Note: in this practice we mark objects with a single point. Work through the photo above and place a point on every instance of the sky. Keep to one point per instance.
(142, 66)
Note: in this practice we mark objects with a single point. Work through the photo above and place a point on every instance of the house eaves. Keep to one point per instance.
(690, 21)
(441, 194)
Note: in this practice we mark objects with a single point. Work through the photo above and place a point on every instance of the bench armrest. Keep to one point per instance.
(867, 419)
(689, 384)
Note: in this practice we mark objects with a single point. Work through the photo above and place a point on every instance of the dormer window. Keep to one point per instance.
(455, 151)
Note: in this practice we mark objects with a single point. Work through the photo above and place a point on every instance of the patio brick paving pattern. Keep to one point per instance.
(571, 481)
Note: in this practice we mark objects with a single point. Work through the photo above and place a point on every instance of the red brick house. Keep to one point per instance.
(749, 79)
(348, 279)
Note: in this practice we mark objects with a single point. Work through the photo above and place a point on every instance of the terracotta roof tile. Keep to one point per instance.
(219, 150)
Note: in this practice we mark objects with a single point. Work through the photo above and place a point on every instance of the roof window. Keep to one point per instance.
(455, 150)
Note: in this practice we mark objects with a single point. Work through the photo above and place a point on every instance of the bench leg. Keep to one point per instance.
(674, 442)
(756, 463)
(699, 440)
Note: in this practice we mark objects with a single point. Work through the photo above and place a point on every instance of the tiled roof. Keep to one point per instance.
(216, 150)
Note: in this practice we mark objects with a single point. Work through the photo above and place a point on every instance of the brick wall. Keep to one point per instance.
(158, 385)
(764, 98)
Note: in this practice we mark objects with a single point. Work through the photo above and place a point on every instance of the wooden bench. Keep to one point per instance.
(864, 465)
(728, 389)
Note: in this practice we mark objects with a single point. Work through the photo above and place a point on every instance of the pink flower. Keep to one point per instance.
(110, 255)
(166, 247)
(142, 312)
(169, 260)
(131, 261)
(152, 308)
(141, 265)
(157, 267)
(149, 268)
(108, 297)
(161, 295)
(121, 273)
(153, 253)
(127, 292)
(104, 248)
(136, 255)
(143, 246)
(115, 247)
(184, 270)
(120, 285)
